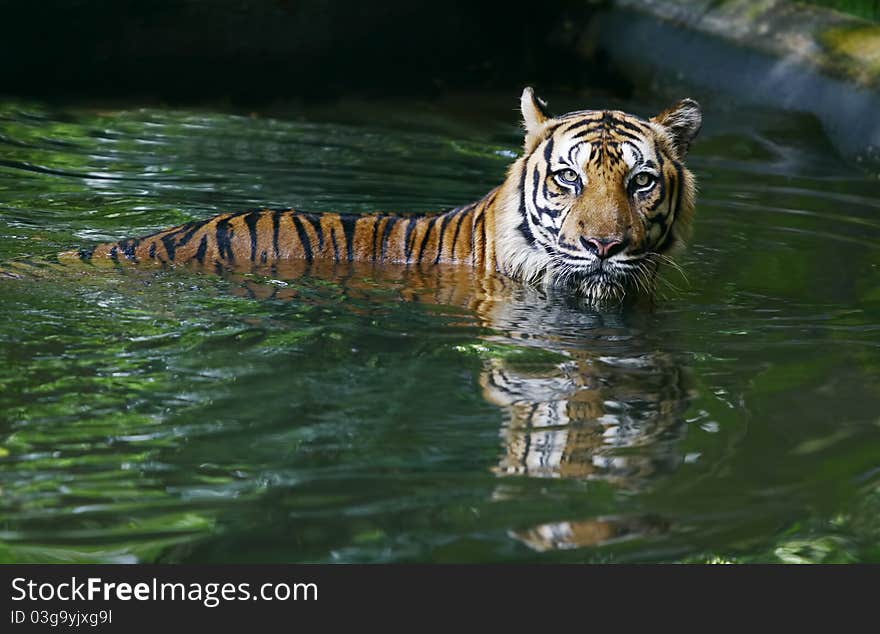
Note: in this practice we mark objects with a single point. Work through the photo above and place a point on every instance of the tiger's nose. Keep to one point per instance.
(604, 247)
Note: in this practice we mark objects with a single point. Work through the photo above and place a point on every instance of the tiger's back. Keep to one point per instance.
(269, 236)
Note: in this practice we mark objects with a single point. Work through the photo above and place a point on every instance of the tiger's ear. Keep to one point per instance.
(683, 121)
(535, 115)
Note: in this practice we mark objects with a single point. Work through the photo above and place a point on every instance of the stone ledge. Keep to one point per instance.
(837, 44)
(772, 53)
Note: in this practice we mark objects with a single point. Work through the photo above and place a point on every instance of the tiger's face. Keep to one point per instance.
(599, 197)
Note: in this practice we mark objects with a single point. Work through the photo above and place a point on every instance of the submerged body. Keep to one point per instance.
(595, 202)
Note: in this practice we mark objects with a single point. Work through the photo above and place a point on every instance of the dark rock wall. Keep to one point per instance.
(258, 50)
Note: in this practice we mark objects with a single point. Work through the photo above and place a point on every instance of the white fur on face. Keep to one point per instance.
(538, 210)
(571, 153)
(636, 153)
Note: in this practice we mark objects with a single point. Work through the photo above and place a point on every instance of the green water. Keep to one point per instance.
(380, 415)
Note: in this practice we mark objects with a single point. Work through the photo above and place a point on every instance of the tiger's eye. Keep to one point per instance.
(643, 180)
(567, 177)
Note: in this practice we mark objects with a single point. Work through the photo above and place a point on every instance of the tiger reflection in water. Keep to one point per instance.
(611, 411)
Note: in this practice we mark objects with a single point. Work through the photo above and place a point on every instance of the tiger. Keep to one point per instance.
(595, 202)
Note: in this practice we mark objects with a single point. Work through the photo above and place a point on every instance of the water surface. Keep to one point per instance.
(355, 414)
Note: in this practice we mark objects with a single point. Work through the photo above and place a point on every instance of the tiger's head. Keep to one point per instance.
(598, 199)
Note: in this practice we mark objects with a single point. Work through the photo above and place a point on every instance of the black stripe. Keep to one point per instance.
(572, 150)
(425, 237)
(303, 237)
(628, 135)
(474, 240)
(478, 220)
(320, 231)
(276, 228)
(224, 240)
(590, 131)
(665, 223)
(335, 244)
(606, 124)
(663, 184)
(192, 228)
(548, 151)
(114, 253)
(545, 188)
(376, 237)
(617, 131)
(170, 244)
(443, 222)
(606, 120)
(667, 237)
(407, 238)
(527, 442)
(679, 185)
(389, 227)
(462, 215)
(548, 157)
(203, 247)
(661, 196)
(523, 227)
(594, 118)
(86, 254)
(128, 248)
(251, 221)
(494, 383)
(535, 183)
(551, 129)
(349, 227)
(315, 223)
(626, 125)
(483, 231)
